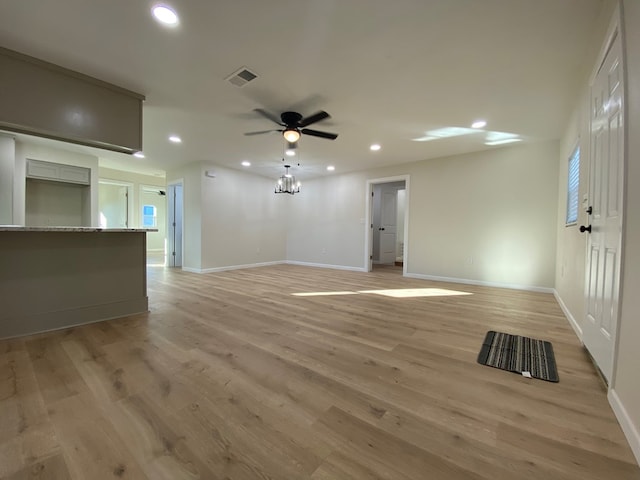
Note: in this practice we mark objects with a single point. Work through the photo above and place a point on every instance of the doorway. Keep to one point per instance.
(153, 215)
(175, 224)
(387, 213)
(115, 204)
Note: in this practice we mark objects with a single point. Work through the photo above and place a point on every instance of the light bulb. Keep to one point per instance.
(291, 135)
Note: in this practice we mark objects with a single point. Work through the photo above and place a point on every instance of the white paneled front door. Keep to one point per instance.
(606, 176)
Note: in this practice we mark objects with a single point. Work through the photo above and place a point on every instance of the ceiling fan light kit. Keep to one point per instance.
(291, 135)
(295, 125)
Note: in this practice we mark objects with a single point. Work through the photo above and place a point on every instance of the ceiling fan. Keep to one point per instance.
(295, 125)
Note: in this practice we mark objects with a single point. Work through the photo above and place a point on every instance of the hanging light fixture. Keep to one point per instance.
(287, 183)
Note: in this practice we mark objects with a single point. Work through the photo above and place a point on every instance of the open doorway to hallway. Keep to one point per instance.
(387, 213)
(153, 214)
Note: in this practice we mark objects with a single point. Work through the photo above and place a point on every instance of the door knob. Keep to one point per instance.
(585, 229)
(381, 228)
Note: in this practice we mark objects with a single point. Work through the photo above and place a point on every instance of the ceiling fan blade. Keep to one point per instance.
(268, 115)
(317, 133)
(261, 132)
(316, 117)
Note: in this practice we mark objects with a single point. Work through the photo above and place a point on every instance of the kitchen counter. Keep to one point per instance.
(20, 228)
(58, 277)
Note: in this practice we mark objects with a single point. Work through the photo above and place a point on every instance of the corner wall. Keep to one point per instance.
(571, 244)
(231, 220)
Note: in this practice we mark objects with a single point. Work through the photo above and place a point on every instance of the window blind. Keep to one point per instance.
(573, 184)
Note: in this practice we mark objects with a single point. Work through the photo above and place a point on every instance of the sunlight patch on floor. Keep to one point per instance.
(322, 294)
(416, 292)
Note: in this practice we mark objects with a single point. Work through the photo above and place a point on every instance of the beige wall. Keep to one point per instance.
(626, 380)
(56, 204)
(571, 244)
(486, 217)
(571, 247)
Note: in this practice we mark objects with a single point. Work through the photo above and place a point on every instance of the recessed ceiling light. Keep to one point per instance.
(290, 152)
(138, 155)
(375, 147)
(479, 124)
(246, 163)
(175, 139)
(165, 14)
(331, 168)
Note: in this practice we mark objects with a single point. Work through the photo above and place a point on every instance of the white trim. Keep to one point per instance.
(572, 321)
(325, 265)
(267, 264)
(234, 267)
(530, 288)
(190, 269)
(629, 429)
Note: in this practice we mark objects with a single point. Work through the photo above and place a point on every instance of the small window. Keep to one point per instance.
(149, 218)
(573, 184)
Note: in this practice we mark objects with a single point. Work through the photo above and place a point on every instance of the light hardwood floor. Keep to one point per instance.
(232, 376)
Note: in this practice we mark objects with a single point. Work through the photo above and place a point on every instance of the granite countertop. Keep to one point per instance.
(22, 228)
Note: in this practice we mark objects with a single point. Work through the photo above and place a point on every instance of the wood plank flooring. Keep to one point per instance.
(234, 376)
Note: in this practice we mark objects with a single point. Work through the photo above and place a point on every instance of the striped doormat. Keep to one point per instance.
(519, 354)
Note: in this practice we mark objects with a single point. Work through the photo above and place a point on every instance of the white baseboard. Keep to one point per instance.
(630, 430)
(239, 267)
(191, 270)
(325, 265)
(572, 321)
(465, 281)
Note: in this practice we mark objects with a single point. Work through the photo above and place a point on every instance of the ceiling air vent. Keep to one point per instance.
(241, 77)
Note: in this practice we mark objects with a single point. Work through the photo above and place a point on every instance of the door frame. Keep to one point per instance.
(170, 230)
(368, 217)
(615, 30)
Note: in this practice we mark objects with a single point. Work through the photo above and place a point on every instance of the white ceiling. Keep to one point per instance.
(387, 72)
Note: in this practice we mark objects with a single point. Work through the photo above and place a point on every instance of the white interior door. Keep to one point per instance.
(123, 194)
(606, 176)
(388, 224)
(113, 202)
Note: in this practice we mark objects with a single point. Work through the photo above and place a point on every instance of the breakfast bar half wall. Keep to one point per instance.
(57, 277)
